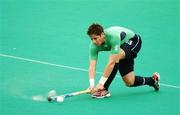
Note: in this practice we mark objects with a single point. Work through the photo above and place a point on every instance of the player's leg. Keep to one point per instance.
(133, 81)
(111, 77)
(126, 66)
(126, 70)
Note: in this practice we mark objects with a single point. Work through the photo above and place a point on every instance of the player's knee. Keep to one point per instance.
(129, 79)
(129, 83)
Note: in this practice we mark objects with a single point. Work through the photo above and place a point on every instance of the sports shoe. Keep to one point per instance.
(156, 78)
(101, 94)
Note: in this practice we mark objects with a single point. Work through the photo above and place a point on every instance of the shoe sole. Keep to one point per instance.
(106, 96)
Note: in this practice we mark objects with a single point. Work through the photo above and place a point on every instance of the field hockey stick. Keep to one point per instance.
(75, 93)
(53, 97)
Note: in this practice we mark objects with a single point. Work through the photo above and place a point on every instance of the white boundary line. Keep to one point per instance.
(168, 85)
(45, 63)
(68, 67)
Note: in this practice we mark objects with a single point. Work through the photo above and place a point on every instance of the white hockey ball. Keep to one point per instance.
(60, 99)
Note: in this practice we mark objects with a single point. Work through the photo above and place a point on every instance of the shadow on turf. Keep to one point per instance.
(134, 94)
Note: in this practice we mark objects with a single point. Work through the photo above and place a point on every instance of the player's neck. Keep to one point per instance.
(104, 41)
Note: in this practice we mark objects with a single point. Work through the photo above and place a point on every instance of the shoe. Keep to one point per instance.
(101, 94)
(51, 96)
(156, 78)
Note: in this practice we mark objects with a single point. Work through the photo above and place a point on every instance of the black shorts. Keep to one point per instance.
(131, 49)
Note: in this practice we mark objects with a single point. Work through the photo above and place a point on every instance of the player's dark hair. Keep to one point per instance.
(95, 28)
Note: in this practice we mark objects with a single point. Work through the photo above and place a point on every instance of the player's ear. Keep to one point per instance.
(102, 34)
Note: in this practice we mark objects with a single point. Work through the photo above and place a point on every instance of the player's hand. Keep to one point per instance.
(99, 86)
(92, 89)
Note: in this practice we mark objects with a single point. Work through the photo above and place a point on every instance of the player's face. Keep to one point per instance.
(98, 39)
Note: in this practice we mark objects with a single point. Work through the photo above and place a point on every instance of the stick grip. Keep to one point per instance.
(76, 93)
(81, 92)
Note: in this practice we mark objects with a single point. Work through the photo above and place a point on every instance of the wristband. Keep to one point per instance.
(91, 82)
(103, 80)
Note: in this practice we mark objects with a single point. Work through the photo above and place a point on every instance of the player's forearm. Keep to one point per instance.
(92, 69)
(92, 74)
(108, 69)
(110, 65)
(107, 73)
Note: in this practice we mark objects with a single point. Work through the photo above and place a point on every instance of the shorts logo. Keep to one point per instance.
(129, 42)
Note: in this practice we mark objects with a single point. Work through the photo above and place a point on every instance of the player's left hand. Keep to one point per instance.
(99, 86)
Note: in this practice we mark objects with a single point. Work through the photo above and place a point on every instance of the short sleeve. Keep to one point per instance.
(115, 45)
(93, 53)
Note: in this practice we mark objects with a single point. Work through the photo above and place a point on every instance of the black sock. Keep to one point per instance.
(111, 77)
(143, 81)
(149, 81)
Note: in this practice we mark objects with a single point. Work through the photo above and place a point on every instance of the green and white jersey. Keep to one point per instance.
(114, 37)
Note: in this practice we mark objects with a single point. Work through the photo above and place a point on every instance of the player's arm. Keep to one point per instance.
(92, 72)
(92, 66)
(113, 58)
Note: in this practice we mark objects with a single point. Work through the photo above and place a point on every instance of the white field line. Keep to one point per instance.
(45, 63)
(168, 85)
(67, 67)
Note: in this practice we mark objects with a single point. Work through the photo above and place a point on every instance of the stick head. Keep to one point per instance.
(51, 94)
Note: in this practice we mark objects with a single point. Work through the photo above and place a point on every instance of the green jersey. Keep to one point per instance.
(114, 37)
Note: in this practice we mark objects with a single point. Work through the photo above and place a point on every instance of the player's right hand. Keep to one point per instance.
(92, 89)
